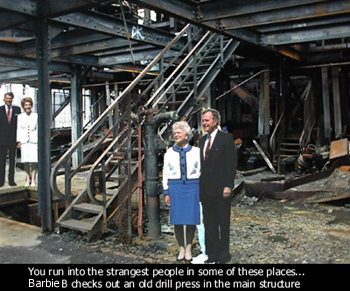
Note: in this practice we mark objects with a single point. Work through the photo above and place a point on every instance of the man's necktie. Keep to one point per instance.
(207, 149)
(9, 114)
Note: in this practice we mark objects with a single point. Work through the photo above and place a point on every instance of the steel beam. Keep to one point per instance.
(67, 6)
(27, 7)
(114, 26)
(19, 62)
(110, 61)
(304, 25)
(9, 19)
(190, 12)
(68, 39)
(54, 7)
(253, 15)
(17, 74)
(220, 9)
(300, 36)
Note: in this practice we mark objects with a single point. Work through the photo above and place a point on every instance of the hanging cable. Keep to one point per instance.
(127, 32)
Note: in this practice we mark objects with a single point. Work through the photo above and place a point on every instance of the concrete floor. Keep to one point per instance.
(22, 243)
(14, 233)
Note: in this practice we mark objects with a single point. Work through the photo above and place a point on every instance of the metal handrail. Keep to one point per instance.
(96, 164)
(306, 132)
(180, 66)
(164, 70)
(67, 155)
(176, 70)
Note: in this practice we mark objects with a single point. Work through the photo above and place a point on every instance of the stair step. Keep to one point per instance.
(117, 156)
(289, 150)
(116, 179)
(110, 192)
(88, 207)
(290, 144)
(115, 162)
(288, 156)
(76, 225)
(295, 138)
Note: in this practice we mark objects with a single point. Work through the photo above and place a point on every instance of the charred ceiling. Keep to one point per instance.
(115, 37)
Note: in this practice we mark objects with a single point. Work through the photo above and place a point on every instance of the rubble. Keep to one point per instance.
(288, 232)
(262, 232)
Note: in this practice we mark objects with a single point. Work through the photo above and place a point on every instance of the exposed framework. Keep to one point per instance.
(297, 29)
(92, 33)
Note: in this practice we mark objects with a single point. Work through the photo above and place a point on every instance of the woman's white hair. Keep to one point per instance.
(183, 125)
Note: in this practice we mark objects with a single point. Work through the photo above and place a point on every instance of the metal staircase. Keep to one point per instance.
(111, 188)
(289, 147)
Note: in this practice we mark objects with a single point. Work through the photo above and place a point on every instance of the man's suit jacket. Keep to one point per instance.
(8, 130)
(219, 170)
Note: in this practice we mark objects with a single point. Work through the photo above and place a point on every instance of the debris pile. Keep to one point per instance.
(321, 175)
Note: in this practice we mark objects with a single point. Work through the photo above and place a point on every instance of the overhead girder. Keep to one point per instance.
(277, 16)
(267, 23)
(311, 34)
(96, 35)
(53, 7)
(116, 27)
(20, 62)
(266, 29)
(191, 12)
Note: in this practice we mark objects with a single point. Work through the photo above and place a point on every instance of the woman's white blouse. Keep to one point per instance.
(27, 128)
(180, 164)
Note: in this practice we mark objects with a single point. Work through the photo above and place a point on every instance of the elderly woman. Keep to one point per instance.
(181, 188)
(27, 138)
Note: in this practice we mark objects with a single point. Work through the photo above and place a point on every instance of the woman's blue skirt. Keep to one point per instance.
(184, 202)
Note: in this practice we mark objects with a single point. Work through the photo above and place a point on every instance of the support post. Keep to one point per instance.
(264, 110)
(109, 101)
(76, 113)
(44, 122)
(336, 103)
(326, 104)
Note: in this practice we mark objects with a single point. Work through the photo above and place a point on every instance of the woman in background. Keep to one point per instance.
(181, 188)
(27, 138)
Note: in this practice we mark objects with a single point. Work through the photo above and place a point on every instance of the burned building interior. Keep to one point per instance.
(278, 72)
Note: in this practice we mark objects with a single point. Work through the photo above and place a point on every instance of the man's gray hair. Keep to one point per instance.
(216, 114)
(183, 125)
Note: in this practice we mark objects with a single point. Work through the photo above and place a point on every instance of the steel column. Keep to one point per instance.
(326, 104)
(336, 103)
(76, 113)
(44, 123)
(264, 104)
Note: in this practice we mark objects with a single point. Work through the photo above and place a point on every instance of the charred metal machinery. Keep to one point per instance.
(152, 144)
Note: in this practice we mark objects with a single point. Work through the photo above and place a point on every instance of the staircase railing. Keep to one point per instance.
(307, 131)
(185, 85)
(65, 160)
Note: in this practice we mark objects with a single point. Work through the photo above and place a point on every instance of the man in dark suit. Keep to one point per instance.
(218, 170)
(8, 131)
